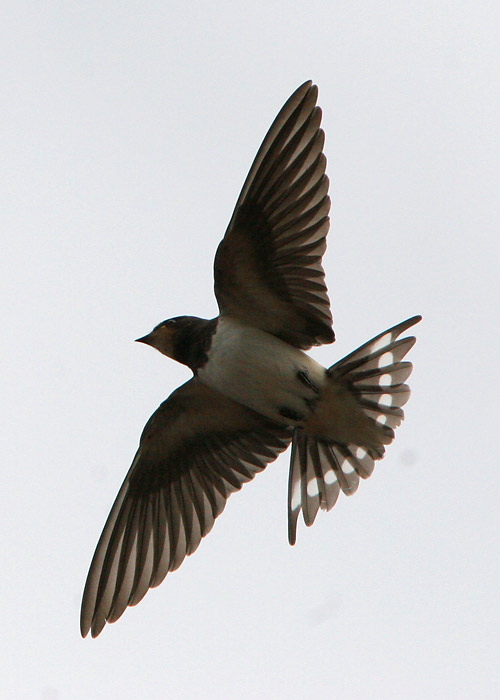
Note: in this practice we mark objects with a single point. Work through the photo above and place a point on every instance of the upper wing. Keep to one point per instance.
(196, 449)
(268, 268)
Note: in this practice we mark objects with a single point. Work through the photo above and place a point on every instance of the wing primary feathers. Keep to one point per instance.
(185, 512)
(196, 518)
(278, 228)
(298, 175)
(178, 538)
(163, 543)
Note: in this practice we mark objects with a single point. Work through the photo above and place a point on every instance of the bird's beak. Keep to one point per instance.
(147, 339)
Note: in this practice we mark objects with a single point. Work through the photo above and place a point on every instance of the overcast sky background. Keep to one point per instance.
(127, 131)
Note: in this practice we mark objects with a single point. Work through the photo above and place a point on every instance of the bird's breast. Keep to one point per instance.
(262, 372)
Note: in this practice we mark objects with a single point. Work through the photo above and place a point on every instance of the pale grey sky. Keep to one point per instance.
(127, 131)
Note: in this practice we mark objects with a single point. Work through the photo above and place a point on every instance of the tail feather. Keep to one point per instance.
(374, 375)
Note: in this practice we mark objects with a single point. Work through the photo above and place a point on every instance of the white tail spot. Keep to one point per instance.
(312, 488)
(347, 467)
(386, 359)
(360, 452)
(296, 500)
(385, 380)
(381, 342)
(329, 477)
(385, 400)
(381, 419)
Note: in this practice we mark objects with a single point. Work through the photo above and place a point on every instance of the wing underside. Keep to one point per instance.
(268, 269)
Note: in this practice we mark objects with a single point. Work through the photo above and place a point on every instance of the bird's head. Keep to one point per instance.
(183, 338)
(163, 336)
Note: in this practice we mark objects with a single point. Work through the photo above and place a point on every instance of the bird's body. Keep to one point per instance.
(262, 372)
(254, 390)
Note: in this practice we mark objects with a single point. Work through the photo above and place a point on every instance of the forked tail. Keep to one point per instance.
(356, 416)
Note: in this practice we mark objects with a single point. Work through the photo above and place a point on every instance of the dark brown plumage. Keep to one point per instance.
(254, 390)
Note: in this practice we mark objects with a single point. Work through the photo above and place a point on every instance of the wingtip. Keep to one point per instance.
(87, 626)
(88, 623)
(97, 628)
(84, 626)
(304, 88)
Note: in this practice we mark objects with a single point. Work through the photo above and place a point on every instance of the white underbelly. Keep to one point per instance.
(262, 372)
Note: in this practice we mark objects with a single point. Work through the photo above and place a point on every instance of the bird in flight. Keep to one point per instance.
(254, 390)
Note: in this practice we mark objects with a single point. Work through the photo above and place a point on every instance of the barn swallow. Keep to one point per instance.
(254, 390)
